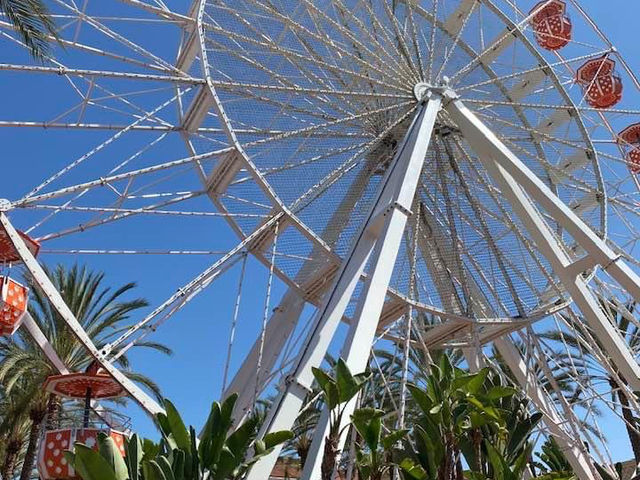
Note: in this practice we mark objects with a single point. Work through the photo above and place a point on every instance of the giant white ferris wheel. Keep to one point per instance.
(474, 160)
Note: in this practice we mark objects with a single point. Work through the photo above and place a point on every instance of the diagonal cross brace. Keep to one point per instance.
(50, 291)
(377, 244)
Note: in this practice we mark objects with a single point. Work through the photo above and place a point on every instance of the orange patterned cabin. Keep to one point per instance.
(551, 24)
(8, 253)
(52, 464)
(13, 305)
(94, 383)
(629, 139)
(603, 87)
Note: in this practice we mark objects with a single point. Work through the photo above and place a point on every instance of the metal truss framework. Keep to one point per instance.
(522, 186)
(380, 235)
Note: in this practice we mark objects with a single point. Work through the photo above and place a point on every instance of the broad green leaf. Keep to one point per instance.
(178, 464)
(411, 470)
(498, 392)
(90, 465)
(111, 453)
(394, 437)
(476, 383)
(165, 466)
(276, 438)
(328, 386)
(176, 425)
(153, 471)
(133, 447)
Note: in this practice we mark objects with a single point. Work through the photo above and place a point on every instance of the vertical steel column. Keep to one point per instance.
(378, 240)
(514, 179)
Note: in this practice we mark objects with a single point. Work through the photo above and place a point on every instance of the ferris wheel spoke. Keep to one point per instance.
(163, 12)
(117, 37)
(100, 147)
(345, 120)
(291, 55)
(372, 33)
(62, 70)
(147, 210)
(399, 38)
(550, 107)
(192, 288)
(360, 49)
(539, 68)
(122, 176)
(451, 49)
(491, 52)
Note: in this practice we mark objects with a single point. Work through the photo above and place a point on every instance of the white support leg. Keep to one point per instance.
(278, 330)
(283, 322)
(573, 449)
(43, 281)
(379, 240)
(514, 179)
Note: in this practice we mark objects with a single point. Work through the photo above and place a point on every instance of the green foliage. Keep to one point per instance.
(468, 419)
(342, 387)
(337, 391)
(33, 23)
(224, 453)
(376, 458)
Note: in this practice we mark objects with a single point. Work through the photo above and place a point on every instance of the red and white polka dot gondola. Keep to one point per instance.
(551, 24)
(13, 305)
(603, 87)
(94, 383)
(52, 464)
(629, 139)
(8, 253)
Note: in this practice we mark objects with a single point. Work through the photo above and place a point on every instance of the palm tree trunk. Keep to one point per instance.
(11, 458)
(329, 458)
(631, 424)
(53, 412)
(37, 416)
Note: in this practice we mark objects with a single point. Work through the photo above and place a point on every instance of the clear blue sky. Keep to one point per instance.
(198, 335)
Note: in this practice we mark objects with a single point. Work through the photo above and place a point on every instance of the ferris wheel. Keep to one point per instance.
(475, 161)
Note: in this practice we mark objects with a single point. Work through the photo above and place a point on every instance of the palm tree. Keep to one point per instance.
(32, 21)
(103, 313)
(576, 340)
(13, 428)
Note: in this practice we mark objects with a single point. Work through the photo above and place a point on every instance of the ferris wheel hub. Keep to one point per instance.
(422, 91)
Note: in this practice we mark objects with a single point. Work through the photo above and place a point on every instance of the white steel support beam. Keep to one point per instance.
(573, 449)
(378, 240)
(516, 181)
(43, 281)
(283, 322)
(278, 330)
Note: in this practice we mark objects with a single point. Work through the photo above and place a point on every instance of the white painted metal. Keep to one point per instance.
(379, 241)
(514, 179)
(572, 448)
(43, 281)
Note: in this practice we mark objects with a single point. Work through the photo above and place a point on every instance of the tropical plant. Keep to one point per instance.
(103, 312)
(33, 23)
(470, 417)
(551, 459)
(337, 391)
(374, 459)
(222, 454)
(578, 338)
